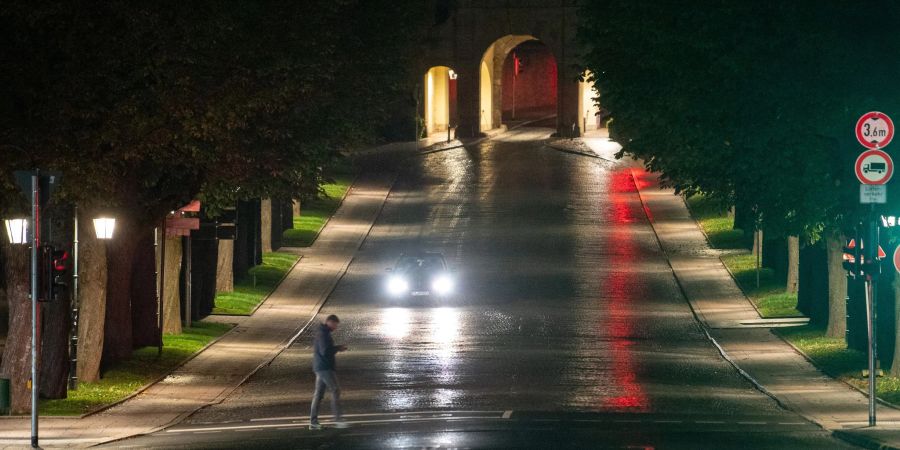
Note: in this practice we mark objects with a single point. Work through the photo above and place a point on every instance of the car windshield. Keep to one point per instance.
(420, 263)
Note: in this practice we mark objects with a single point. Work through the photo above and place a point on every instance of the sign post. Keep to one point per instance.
(37, 187)
(874, 169)
(35, 339)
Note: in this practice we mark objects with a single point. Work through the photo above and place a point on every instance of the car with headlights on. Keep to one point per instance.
(420, 275)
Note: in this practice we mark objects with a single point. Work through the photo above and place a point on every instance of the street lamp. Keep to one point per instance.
(104, 227)
(17, 231)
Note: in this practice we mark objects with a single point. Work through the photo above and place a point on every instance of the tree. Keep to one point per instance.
(143, 107)
(752, 104)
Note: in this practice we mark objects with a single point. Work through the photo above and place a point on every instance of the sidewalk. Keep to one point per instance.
(212, 375)
(734, 325)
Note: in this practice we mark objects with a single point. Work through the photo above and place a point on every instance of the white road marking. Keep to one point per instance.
(751, 423)
(717, 422)
(269, 419)
(791, 423)
(351, 422)
(507, 414)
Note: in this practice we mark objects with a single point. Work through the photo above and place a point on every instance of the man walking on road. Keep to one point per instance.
(324, 351)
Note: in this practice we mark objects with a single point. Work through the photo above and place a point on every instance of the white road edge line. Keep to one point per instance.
(507, 414)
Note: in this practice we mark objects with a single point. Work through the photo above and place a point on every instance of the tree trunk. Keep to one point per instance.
(812, 292)
(119, 342)
(246, 241)
(144, 308)
(287, 215)
(203, 277)
(793, 272)
(172, 289)
(92, 277)
(775, 256)
(275, 224)
(265, 224)
(224, 266)
(16, 365)
(837, 288)
(296, 207)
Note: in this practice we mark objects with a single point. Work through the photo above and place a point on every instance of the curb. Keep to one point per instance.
(162, 377)
(800, 352)
(282, 347)
(700, 323)
(560, 148)
(844, 435)
(275, 288)
(728, 269)
(139, 391)
(863, 441)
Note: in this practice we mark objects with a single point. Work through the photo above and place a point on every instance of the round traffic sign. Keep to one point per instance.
(896, 258)
(874, 130)
(874, 167)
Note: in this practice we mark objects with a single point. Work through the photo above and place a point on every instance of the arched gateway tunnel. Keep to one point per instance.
(489, 63)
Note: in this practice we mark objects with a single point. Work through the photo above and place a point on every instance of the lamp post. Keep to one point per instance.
(103, 229)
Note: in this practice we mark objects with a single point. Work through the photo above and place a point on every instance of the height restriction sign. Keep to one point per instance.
(874, 130)
(874, 167)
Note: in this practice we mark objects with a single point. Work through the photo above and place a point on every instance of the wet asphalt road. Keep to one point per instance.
(567, 328)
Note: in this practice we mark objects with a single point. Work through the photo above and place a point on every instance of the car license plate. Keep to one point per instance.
(420, 293)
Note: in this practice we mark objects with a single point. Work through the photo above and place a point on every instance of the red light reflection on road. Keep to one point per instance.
(620, 287)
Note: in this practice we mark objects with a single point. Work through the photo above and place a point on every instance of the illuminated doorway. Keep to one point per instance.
(440, 100)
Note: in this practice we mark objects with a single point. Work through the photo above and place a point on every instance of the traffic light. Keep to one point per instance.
(51, 275)
(853, 259)
(59, 261)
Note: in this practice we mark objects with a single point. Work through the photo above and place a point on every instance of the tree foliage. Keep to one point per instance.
(146, 105)
(143, 106)
(751, 103)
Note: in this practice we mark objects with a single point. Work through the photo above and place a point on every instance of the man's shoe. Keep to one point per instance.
(341, 424)
(315, 426)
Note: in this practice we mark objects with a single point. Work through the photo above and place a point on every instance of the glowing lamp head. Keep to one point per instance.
(17, 230)
(104, 227)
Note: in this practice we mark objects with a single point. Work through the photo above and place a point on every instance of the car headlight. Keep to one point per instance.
(442, 285)
(397, 285)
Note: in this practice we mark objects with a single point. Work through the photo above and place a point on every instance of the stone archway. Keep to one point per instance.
(476, 37)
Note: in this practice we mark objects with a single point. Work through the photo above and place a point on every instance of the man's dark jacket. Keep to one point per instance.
(323, 350)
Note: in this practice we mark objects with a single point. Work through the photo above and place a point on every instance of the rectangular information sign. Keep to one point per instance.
(872, 193)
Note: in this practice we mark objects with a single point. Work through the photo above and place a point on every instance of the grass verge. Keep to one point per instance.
(128, 376)
(315, 213)
(262, 280)
(832, 356)
(769, 296)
